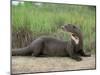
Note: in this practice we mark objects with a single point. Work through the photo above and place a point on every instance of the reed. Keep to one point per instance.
(46, 19)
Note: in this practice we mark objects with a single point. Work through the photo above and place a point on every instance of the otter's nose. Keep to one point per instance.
(62, 27)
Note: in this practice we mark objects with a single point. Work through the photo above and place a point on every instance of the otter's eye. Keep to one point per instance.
(74, 27)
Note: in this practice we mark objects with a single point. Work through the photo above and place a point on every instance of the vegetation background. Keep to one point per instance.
(31, 20)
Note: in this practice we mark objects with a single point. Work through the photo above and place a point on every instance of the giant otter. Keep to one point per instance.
(47, 46)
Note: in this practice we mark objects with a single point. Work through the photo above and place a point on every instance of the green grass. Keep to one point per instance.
(47, 19)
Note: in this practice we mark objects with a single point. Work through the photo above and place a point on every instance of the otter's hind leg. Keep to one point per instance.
(37, 47)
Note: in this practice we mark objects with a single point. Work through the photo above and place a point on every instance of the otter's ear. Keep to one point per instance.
(79, 26)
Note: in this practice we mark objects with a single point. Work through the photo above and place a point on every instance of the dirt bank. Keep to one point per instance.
(43, 64)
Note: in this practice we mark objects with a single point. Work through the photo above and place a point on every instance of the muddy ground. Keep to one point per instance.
(29, 64)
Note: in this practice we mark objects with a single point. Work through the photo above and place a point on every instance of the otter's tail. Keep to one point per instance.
(21, 52)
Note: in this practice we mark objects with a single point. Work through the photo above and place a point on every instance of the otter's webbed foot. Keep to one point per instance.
(76, 57)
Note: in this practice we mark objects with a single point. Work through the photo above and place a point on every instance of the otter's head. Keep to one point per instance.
(74, 31)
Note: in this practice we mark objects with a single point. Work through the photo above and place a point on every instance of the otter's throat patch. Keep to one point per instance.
(75, 38)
